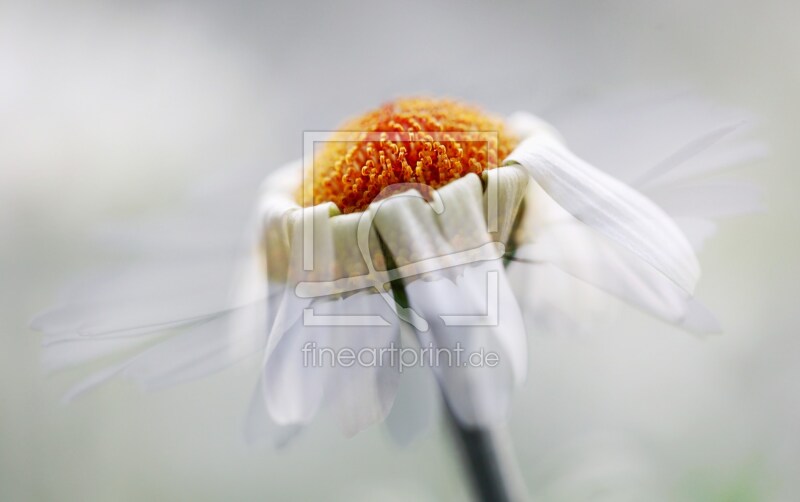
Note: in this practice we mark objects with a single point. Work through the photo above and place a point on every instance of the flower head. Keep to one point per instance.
(426, 215)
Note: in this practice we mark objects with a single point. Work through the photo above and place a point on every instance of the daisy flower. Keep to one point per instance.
(425, 233)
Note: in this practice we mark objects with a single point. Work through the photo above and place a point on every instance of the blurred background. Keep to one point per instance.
(112, 110)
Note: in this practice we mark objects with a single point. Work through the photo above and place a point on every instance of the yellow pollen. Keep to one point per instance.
(424, 141)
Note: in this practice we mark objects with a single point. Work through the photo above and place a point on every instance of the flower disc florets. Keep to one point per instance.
(418, 141)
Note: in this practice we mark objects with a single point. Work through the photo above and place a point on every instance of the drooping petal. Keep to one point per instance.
(609, 206)
(186, 282)
(200, 351)
(506, 188)
(141, 300)
(615, 271)
(207, 321)
(418, 398)
(310, 258)
(468, 305)
(478, 394)
(457, 234)
(181, 270)
(364, 392)
(553, 301)
(69, 353)
(259, 426)
(583, 253)
(294, 387)
(194, 353)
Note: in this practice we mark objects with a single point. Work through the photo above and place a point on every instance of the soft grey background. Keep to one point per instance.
(111, 109)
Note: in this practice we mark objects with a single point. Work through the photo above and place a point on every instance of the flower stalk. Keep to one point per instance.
(489, 461)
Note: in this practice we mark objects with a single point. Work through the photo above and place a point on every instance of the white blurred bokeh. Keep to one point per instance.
(111, 110)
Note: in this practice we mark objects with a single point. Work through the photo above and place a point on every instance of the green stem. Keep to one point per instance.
(488, 458)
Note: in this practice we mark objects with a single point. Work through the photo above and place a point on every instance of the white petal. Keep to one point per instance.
(65, 354)
(319, 241)
(448, 231)
(609, 206)
(259, 427)
(125, 309)
(364, 392)
(697, 230)
(402, 221)
(417, 400)
(294, 388)
(667, 136)
(197, 352)
(614, 270)
(140, 300)
(91, 382)
(190, 259)
(200, 351)
(414, 230)
(508, 327)
(707, 199)
(553, 301)
(294, 392)
(185, 281)
(560, 240)
(478, 395)
(706, 156)
(505, 190)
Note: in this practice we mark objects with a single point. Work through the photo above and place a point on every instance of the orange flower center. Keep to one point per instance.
(427, 142)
